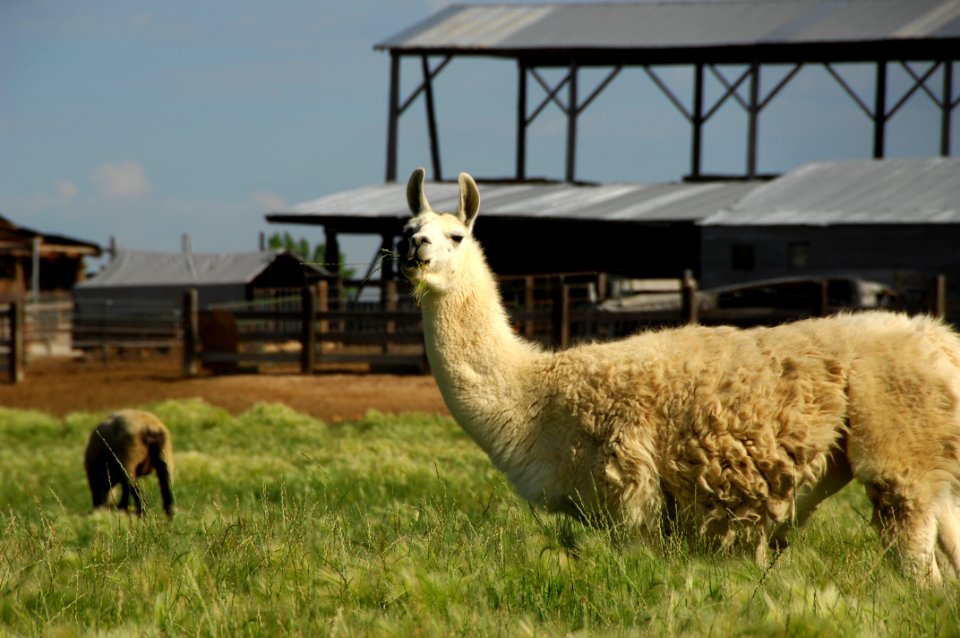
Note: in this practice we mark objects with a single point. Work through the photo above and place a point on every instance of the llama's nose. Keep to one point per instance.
(416, 243)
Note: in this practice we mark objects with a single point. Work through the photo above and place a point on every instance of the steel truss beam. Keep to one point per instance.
(698, 115)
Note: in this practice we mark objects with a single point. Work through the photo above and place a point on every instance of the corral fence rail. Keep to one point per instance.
(307, 329)
(313, 331)
(112, 327)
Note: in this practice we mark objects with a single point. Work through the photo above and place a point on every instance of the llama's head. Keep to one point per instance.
(436, 245)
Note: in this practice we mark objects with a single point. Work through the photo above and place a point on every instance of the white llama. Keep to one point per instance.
(735, 435)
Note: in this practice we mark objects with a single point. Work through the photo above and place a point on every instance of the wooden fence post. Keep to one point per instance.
(191, 332)
(17, 329)
(561, 317)
(308, 335)
(939, 308)
(528, 305)
(824, 304)
(688, 298)
(322, 306)
(390, 305)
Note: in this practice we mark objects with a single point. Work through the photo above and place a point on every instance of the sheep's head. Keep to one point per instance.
(435, 244)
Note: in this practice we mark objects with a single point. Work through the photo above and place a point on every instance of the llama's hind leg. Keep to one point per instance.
(908, 527)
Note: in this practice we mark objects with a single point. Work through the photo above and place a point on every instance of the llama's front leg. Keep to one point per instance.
(907, 528)
(948, 531)
(915, 545)
(838, 475)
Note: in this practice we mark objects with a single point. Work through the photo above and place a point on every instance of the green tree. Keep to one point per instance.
(301, 248)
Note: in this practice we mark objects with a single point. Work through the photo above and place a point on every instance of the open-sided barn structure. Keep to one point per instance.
(708, 36)
(725, 228)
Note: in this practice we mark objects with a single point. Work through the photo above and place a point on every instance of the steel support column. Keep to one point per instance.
(880, 110)
(753, 113)
(431, 118)
(946, 107)
(572, 113)
(696, 122)
(331, 255)
(521, 121)
(393, 116)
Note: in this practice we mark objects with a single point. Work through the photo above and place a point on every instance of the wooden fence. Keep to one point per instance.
(12, 341)
(555, 310)
(310, 334)
(113, 327)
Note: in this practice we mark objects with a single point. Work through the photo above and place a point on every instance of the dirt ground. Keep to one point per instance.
(60, 386)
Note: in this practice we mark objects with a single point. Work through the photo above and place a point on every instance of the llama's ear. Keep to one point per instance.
(416, 198)
(469, 200)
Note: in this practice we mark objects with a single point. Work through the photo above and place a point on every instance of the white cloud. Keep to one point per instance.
(269, 202)
(120, 180)
(66, 191)
(63, 193)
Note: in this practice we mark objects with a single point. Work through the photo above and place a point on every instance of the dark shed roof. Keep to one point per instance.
(663, 32)
(146, 268)
(617, 202)
(19, 238)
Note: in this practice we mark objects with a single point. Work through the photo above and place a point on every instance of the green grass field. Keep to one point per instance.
(392, 526)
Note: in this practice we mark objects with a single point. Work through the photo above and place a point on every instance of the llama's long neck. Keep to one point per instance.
(479, 363)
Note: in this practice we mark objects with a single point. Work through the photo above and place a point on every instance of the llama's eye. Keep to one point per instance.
(456, 238)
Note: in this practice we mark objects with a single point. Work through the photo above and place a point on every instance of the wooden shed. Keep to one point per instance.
(163, 278)
(57, 261)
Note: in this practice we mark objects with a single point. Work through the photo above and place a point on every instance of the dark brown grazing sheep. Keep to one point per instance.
(127, 445)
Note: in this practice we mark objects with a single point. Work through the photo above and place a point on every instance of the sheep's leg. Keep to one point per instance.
(837, 475)
(163, 476)
(135, 494)
(130, 490)
(99, 487)
(124, 495)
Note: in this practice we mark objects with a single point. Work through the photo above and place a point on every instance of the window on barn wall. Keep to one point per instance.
(798, 255)
(742, 257)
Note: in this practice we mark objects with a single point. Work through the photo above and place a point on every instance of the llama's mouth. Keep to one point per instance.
(413, 268)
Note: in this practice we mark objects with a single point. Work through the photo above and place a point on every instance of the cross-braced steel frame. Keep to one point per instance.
(565, 94)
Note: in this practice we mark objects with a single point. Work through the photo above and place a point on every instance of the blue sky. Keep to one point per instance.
(148, 120)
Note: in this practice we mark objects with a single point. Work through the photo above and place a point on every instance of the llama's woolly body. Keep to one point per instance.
(733, 434)
(127, 445)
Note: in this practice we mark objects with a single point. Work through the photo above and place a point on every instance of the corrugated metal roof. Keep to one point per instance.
(134, 268)
(498, 29)
(608, 202)
(897, 191)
